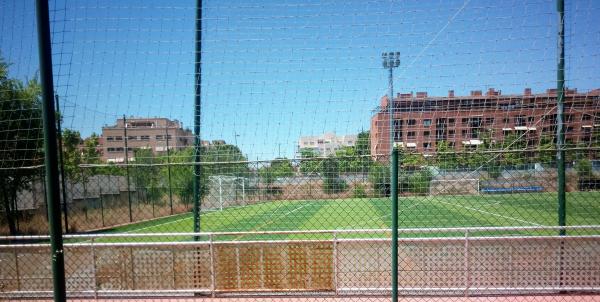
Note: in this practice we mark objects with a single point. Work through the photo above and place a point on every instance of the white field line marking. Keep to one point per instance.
(403, 209)
(170, 222)
(273, 220)
(486, 212)
(186, 218)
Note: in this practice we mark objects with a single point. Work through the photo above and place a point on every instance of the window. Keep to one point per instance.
(411, 134)
(426, 133)
(568, 118)
(427, 145)
(520, 121)
(118, 138)
(145, 137)
(412, 122)
(397, 130)
(530, 120)
(489, 121)
(506, 120)
(451, 133)
(586, 117)
(110, 138)
(426, 122)
(465, 121)
(160, 137)
(451, 144)
(451, 122)
(119, 149)
(465, 133)
(132, 138)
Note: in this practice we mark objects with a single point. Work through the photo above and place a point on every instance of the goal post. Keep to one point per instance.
(225, 191)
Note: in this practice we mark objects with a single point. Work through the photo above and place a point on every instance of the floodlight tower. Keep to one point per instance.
(391, 60)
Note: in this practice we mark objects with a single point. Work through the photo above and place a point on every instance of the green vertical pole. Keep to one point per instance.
(391, 106)
(62, 165)
(394, 193)
(197, 107)
(169, 168)
(560, 132)
(101, 200)
(127, 168)
(50, 150)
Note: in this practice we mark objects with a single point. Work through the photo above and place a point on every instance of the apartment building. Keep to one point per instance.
(142, 133)
(421, 121)
(326, 144)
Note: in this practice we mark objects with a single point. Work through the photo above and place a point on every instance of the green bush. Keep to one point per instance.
(583, 168)
(379, 177)
(334, 185)
(418, 182)
(359, 192)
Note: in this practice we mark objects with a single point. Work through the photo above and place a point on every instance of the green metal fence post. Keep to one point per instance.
(197, 107)
(101, 199)
(62, 165)
(127, 168)
(394, 194)
(560, 132)
(50, 150)
(169, 169)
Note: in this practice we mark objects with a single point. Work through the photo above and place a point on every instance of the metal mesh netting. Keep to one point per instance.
(245, 151)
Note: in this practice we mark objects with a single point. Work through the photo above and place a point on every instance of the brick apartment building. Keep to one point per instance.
(419, 121)
(142, 133)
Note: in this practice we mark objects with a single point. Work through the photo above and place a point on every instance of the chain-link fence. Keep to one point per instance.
(259, 151)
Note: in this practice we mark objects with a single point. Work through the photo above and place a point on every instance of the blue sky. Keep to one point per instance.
(275, 70)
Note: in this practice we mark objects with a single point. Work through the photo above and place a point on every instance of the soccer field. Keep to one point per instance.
(539, 209)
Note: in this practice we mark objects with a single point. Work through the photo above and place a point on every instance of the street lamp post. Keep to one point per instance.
(391, 60)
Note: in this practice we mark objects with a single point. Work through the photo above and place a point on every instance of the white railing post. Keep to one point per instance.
(467, 265)
(212, 265)
(17, 270)
(94, 269)
(173, 267)
(335, 263)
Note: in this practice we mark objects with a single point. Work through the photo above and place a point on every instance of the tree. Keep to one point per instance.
(379, 177)
(71, 154)
(145, 175)
(332, 183)
(21, 139)
(446, 156)
(363, 143)
(227, 159)
(513, 142)
(281, 167)
(546, 150)
(309, 164)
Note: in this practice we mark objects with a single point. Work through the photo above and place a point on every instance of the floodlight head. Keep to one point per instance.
(384, 58)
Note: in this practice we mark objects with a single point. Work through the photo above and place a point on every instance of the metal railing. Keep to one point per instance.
(464, 265)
